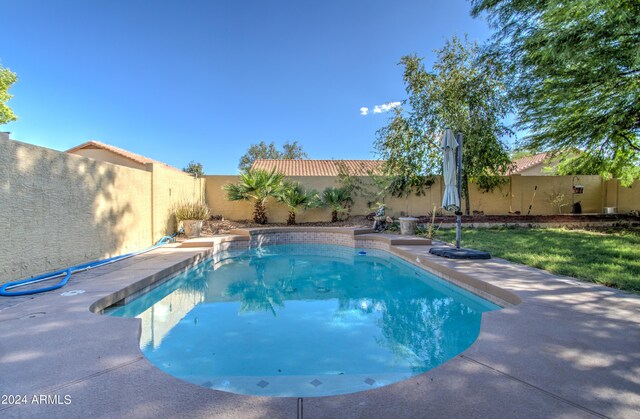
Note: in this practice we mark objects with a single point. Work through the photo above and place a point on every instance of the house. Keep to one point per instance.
(320, 167)
(112, 154)
(534, 165)
(540, 164)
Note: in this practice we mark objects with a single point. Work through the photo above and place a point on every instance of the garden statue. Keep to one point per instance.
(380, 221)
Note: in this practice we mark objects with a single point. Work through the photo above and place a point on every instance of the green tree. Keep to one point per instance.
(295, 197)
(262, 150)
(338, 200)
(256, 186)
(575, 78)
(409, 156)
(462, 92)
(7, 79)
(194, 169)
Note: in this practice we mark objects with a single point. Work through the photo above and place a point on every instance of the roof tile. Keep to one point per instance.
(528, 162)
(320, 167)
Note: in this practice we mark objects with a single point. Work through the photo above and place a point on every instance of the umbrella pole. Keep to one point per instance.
(459, 212)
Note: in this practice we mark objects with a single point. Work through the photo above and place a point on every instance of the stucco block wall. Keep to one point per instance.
(218, 203)
(278, 213)
(626, 198)
(498, 201)
(171, 187)
(591, 199)
(60, 209)
(515, 195)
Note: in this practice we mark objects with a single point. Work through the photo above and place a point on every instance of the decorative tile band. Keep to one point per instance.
(266, 239)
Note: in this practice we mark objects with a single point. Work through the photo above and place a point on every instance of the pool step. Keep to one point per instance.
(212, 241)
(396, 240)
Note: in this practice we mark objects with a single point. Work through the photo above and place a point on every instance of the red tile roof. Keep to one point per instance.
(320, 167)
(121, 152)
(528, 162)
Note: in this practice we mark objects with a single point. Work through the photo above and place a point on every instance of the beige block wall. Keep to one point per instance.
(610, 191)
(171, 187)
(277, 213)
(218, 203)
(591, 199)
(516, 195)
(414, 205)
(627, 198)
(60, 209)
(497, 201)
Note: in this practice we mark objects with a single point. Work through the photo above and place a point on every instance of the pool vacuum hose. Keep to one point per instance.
(4, 290)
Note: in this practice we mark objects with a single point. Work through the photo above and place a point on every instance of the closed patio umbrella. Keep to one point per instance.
(450, 198)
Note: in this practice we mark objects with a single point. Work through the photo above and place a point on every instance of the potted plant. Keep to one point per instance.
(191, 214)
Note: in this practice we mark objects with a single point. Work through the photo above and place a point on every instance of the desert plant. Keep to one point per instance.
(338, 200)
(557, 200)
(191, 210)
(431, 228)
(295, 197)
(256, 186)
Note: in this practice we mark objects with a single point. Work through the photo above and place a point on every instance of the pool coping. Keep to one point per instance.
(518, 347)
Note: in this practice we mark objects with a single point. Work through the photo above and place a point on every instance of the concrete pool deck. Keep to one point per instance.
(569, 349)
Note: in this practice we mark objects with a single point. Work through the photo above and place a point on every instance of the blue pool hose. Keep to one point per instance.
(4, 290)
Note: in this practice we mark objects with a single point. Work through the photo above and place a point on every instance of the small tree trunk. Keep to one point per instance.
(292, 218)
(260, 213)
(334, 216)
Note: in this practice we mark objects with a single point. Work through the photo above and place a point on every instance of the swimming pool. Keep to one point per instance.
(304, 320)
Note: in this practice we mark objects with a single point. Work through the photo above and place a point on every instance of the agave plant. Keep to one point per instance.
(295, 197)
(338, 200)
(256, 186)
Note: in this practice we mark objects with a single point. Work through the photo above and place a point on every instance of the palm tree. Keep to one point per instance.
(256, 186)
(338, 200)
(294, 196)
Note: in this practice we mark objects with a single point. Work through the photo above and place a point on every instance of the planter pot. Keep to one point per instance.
(192, 228)
(408, 226)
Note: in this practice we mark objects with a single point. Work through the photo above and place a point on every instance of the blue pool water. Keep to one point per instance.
(304, 320)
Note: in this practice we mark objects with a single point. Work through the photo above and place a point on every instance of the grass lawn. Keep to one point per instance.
(608, 258)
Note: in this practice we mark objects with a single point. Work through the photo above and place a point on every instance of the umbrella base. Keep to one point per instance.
(453, 253)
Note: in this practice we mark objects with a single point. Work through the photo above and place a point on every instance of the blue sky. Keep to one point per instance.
(202, 80)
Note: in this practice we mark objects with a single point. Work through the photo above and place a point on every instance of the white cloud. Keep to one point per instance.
(364, 111)
(385, 107)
